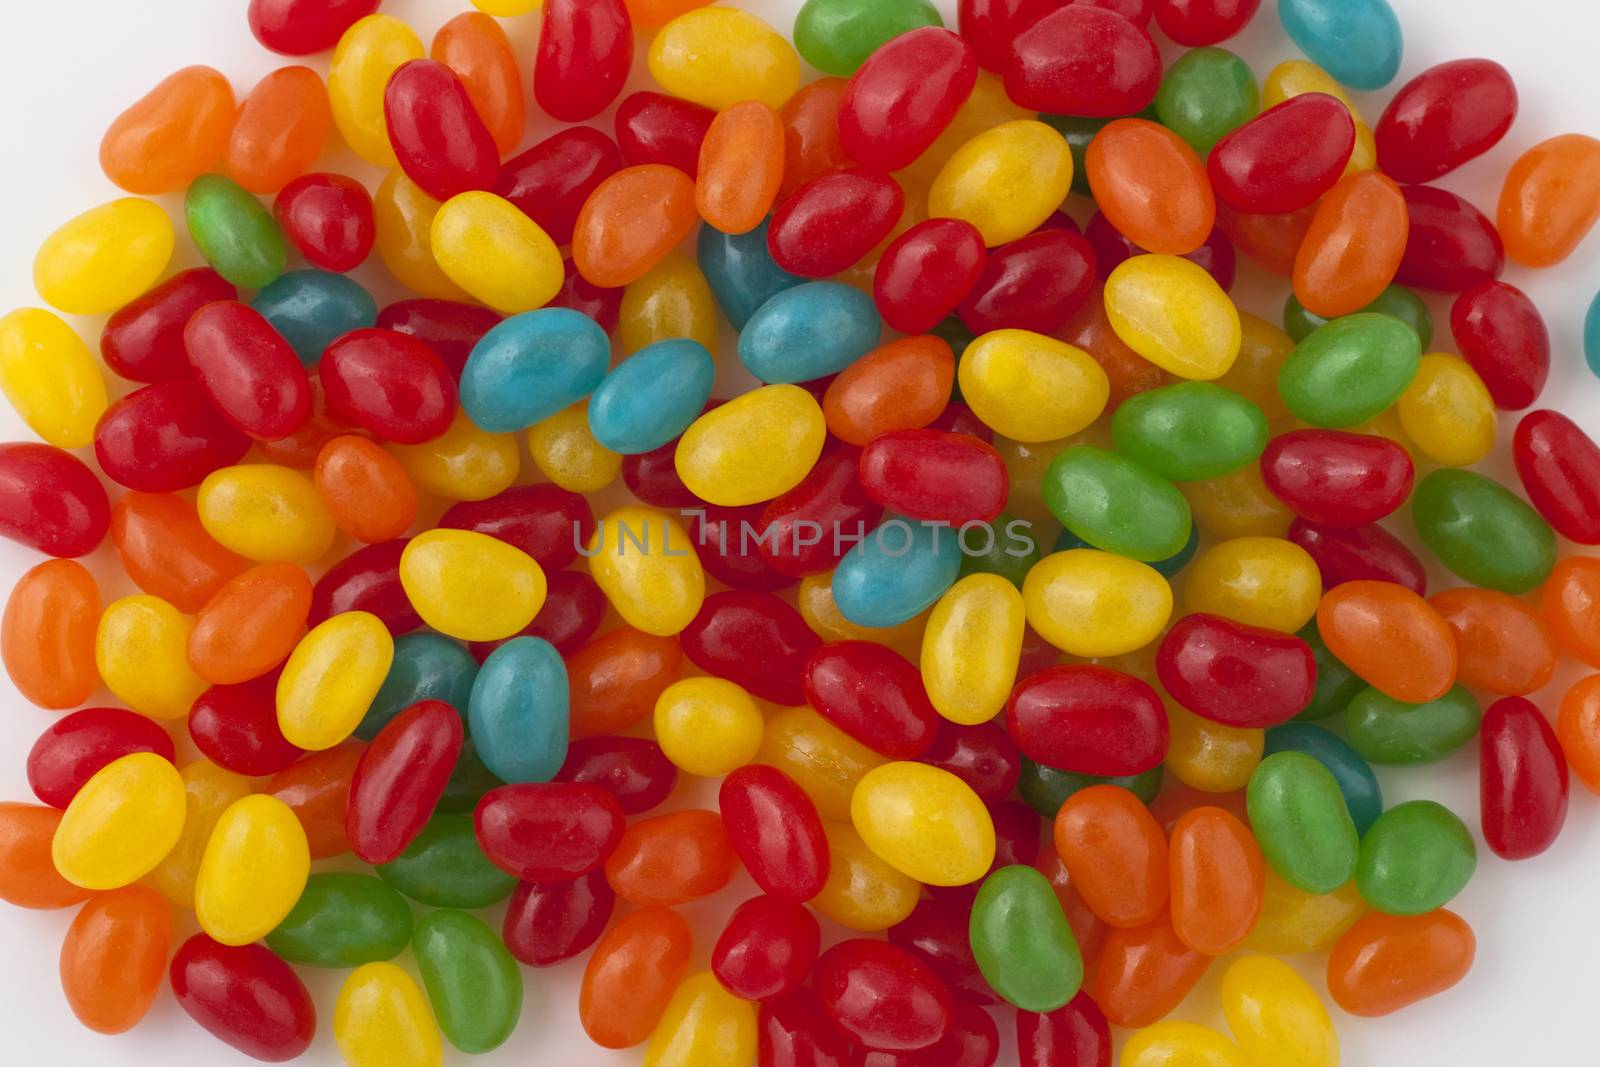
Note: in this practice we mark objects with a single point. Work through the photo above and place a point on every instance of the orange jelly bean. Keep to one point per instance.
(741, 167)
(1353, 246)
(1571, 605)
(903, 385)
(1550, 200)
(251, 625)
(1089, 328)
(1386, 962)
(1151, 186)
(365, 489)
(317, 790)
(168, 553)
(672, 859)
(171, 135)
(281, 130)
(1502, 644)
(114, 957)
(631, 221)
(631, 975)
(1218, 881)
(1391, 638)
(616, 678)
(1115, 853)
(47, 634)
(1143, 973)
(476, 48)
(811, 145)
(28, 875)
(1578, 730)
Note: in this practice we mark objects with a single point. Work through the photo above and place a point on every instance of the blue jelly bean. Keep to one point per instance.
(809, 332)
(1356, 780)
(652, 396)
(1166, 567)
(741, 271)
(518, 711)
(426, 666)
(314, 308)
(1591, 336)
(1356, 41)
(896, 572)
(531, 366)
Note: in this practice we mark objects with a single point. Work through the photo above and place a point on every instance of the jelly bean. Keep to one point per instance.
(1218, 880)
(236, 726)
(366, 580)
(1504, 644)
(265, 512)
(1451, 245)
(515, 823)
(343, 920)
(1337, 478)
(120, 823)
(631, 221)
(751, 61)
(165, 549)
(50, 378)
(970, 648)
(804, 531)
(660, 129)
(490, 249)
(616, 679)
(139, 652)
(882, 996)
(441, 142)
(639, 962)
(828, 224)
(671, 302)
(955, 842)
(1350, 370)
(171, 135)
(473, 983)
(1357, 783)
(1388, 731)
(400, 778)
(547, 922)
(1190, 431)
(755, 640)
(903, 384)
(766, 950)
(331, 678)
(1115, 854)
(114, 956)
(104, 258)
(1591, 337)
(250, 625)
(1033, 283)
(445, 867)
(1253, 171)
(1171, 1041)
(792, 1032)
(1022, 942)
(671, 859)
(775, 830)
(1482, 532)
(1070, 1036)
(1356, 41)
(465, 463)
(565, 451)
(874, 695)
(1174, 314)
(657, 589)
(317, 789)
(1501, 335)
(506, 8)
(707, 726)
(439, 565)
(703, 1023)
(1203, 22)
(1388, 962)
(1142, 973)
(1300, 819)
(823, 759)
(904, 95)
(1375, 627)
(982, 755)
(740, 167)
(584, 55)
(1443, 117)
(935, 476)
(993, 25)
(1205, 94)
(1351, 250)
(1151, 186)
(634, 769)
(1088, 720)
(48, 632)
(1092, 603)
(30, 878)
(367, 56)
(390, 384)
(1416, 858)
(1030, 387)
(1294, 921)
(1081, 60)
(1209, 756)
(740, 270)
(245, 996)
(477, 49)
(328, 218)
(143, 340)
(449, 328)
(837, 38)
(1552, 455)
(366, 491)
(938, 932)
(252, 872)
(403, 218)
(381, 1017)
(248, 370)
(1272, 241)
(312, 309)
(1578, 733)
(684, 368)
(1114, 503)
(1523, 780)
(281, 129)
(234, 232)
(1275, 1015)
(1236, 674)
(301, 27)
(753, 448)
(1546, 206)
(1025, 158)
(896, 573)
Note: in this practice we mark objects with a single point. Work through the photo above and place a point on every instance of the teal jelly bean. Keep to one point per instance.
(1045, 789)
(1416, 858)
(1206, 94)
(1349, 370)
(1388, 731)
(1591, 335)
(343, 920)
(1117, 504)
(468, 782)
(473, 983)
(1020, 938)
(741, 271)
(426, 666)
(1357, 41)
(1484, 533)
(234, 232)
(1006, 547)
(836, 36)
(652, 396)
(896, 572)
(1190, 431)
(1362, 796)
(1337, 684)
(518, 711)
(1396, 300)
(314, 308)
(445, 868)
(531, 366)
(809, 332)
(1300, 819)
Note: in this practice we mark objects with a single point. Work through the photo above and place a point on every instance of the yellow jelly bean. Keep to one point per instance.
(1175, 315)
(1293, 921)
(565, 451)
(822, 614)
(141, 651)
(646, 565)
(862, 892)
(1030, 387)
(1276, 1016)
(382, 1020)
(1171, 1043)
(1447, 411)
(1263, 350)
(404, 216)
(1005, 181)
(1209, 756)
(253, 870)
(672, 300)
(988, 106)
(50, 377)
(104, 258)
(971, 646)
(463, 463)
(471, 586)
(265, 512)
(718, 56)
(756, 446)
(925, 823)
(366, 57)
(486, 245)
(331, 677)
(704, 1024)
(1092, 603)
(708, 727)
(1364, 155)
(826, 762)
(1259, 581)
(208, 791)
(1237, 504)
(123, 821)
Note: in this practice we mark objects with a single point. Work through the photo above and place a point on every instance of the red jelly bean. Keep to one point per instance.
(1285, 158)
(776, 831)
(545, 521)
(550, 181)
(451, 329)
(874, 694)
(1033, 283)
(936, 932)
(50, 500)
(1235, 674)
(1111, 247)
(992, 26)
(1522, 780)
(981, 755)
(755, 640)
(1337, 478)
(672, 859)
(904, 96)
(798, 528)
(389, 384)
(1075, 1035)
(301, 27)
(1446, 115)
(725, 538)
(831, 222)
(76, 746)
(656, 128)
(1451, 246)
(632, 769)
(236, 727)
(165, 437)
(547, 922)
(793, 1032)
(329, 218)
(1503, 336)
(548, 831)
(653, 478)
(1138, 12)
(368, 579)
(245, 996)
(935, 476)
(585, 53)
(1088, 720)
(1080, 60)
(574, 607)
(143, 341)
(767, 949)
(400, 779)
(882, 996)
(248, 370)
(926, 272)
(1559, 466)
(441, 141)
(1359, 553)
(1194, 23)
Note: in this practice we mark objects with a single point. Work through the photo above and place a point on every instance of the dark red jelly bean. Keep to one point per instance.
(1501, 334)
(248, 370)
(600, 303)
(545, 521)
(368, 579)
(1285, 158)
(1082, 60)
(958, 418)
(50, 500)
(75, 746)
(830, 222)
(573, 609)
(401, 776)
(726, 539)
(1559, 466)
(992, 26)
(1359, 553)
(1201, 22)
(547, 922)
(935, 476)
(1443, 117)
(981, 755)
(301, 27)
(244, 996)
(905, 94)
(449, 328)
(1033, 283)
(1522, 780)
(755, 640)
(632, 769)
(550, 181)
(926, 272)
(793, 1032)
(389, 384)
(807, 530)
(1452, 246)
(165, 437)
(548, 831)
(767, 948)
(875, 695)
(1088, 720)
(882, 996)
(972, 1041)
(936, 932)
(1337, 478)
(657, 128)
(329, 218)
(441, 141)
(653, 478)
(1111, 247)
(143, 340)
(1235, 674)
(585, 53)
(776, 831)
(236, 727)
(1075, 1035)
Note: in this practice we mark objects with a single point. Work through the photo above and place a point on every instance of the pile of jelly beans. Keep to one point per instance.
(1036, 608)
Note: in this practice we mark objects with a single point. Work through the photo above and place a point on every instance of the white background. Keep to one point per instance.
(71, 66)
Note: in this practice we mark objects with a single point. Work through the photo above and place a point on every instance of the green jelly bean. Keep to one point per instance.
(837, 36)
(234, 232)
(468, 782)
(343, 920)
(1045, 789)
(1349, 370)
(1388, 731)
(1190, 431)
(1396, 300)
(426, 666)
(1022, 942)
(1337, 685)
(445, 868)
(1300, 819)
(1416, 858)
(1077, 132)
(1362, 796)
(1005, 547)
(472, 981)
(1484, 533)
(1117, 504)
(1206, 94)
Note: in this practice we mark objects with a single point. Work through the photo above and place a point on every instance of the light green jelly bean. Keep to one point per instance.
(837, 36)
(1022, 942)
(1299, 817)
(1416, 858)
(472, 981)
(1117, 504)
(1206, 94)
(1349, 370)
(235, 232)
(1190, 431)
